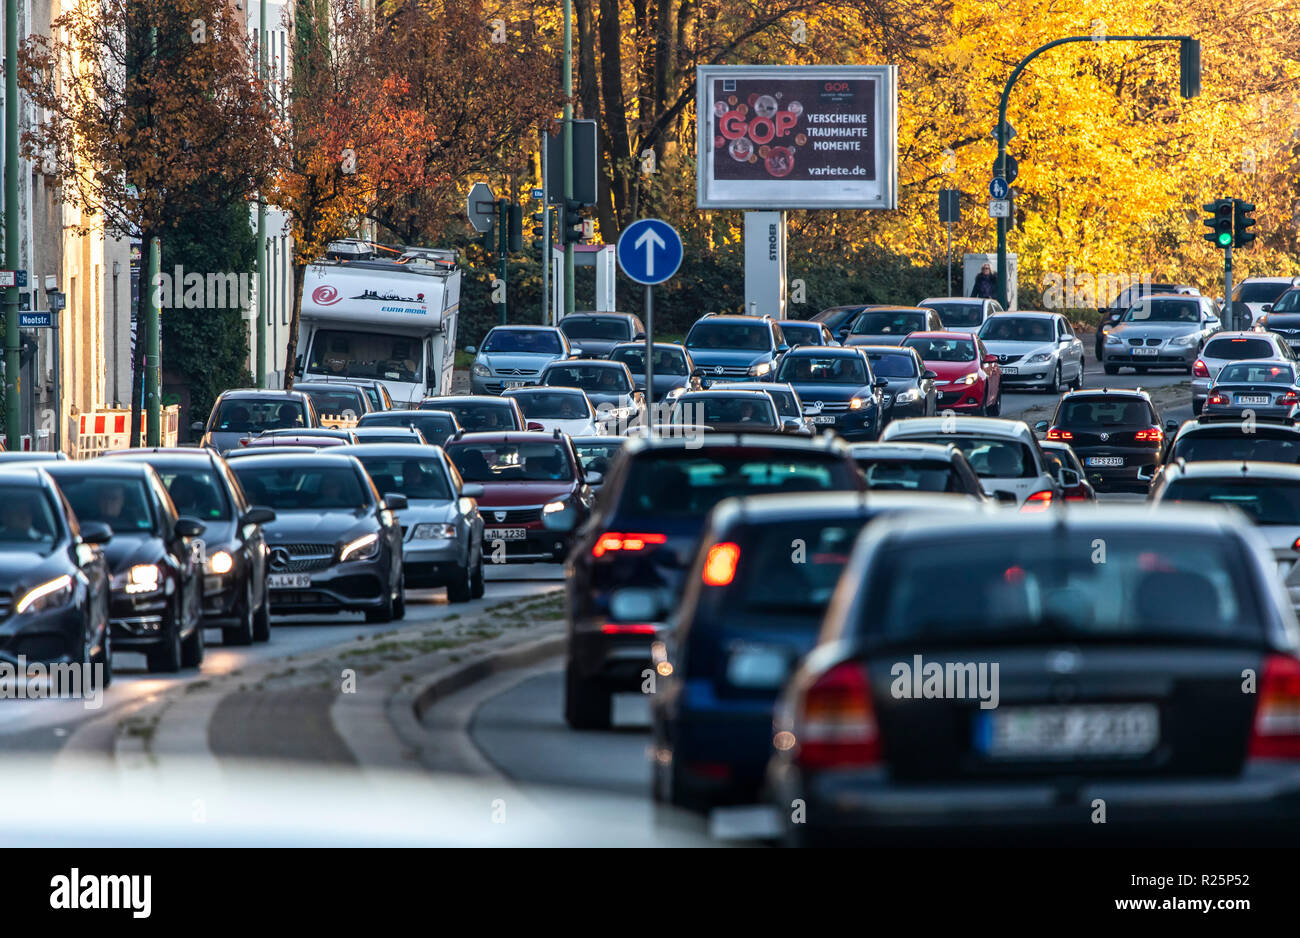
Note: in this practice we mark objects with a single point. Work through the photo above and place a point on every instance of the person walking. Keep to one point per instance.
(985, 283)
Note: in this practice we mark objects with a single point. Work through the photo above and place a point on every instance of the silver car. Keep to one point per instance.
(1160, 331)
(514, 356)
(962, 313)
(1035, 349)
(1228, 347)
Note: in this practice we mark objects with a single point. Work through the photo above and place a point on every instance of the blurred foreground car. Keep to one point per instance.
(1229, 438)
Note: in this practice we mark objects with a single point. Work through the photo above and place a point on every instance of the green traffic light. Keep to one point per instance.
(1225, 238)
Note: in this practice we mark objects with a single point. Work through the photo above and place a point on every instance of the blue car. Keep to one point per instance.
(838, 389)
(736, 348)
(514, 356)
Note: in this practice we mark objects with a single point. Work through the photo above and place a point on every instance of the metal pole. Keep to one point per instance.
(58, 403)
(13, 411)
(503, 238)
(152, 389)
(949, 258)
(546, 233)
(568, 148)
(649, 357)
(261, 218)
(1227, 290)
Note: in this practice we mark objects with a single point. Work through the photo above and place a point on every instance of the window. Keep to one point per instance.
(893, 364)
(1103, 413)
(1265, 501)
(523, 341)
(990, 457)
(364, 355)
(482, 415)
(609, 328)
(26, 519)
(729, 335)
(942, 350)
(1017, 329)
(1256, 373)
(120, 503)
(769, 576)
(819, 369)
(1260, 291)
(1165, 311)
(1239, 349)
(196, 494)
(667, 361)
(697, 410)
(910, 476)
(303, 487)
(553, 405)
(887, 322)
(511, 462)
(252, 415)
(959, 314)
(599, 378)
(416, 478)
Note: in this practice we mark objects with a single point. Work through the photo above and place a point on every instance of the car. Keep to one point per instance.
(1207, 438)
(375, 390)
(243, 413)
(373, 435)
(283, 449)
(674, 369)
(837, 317)
(597, 454)
(608, 385)
(1258, 294)
(968, 376)
(525, 477)
(310, 440)
(336, 404)
(336, 542)
(1160, 331)
(156, 579)
(1143, 655)
(277, 437)
(730, 411)
(1268, 493)
(1116, 433)
(784, 397)
(642, 536)
(838, 388)
(888, 325)
(799, 332)
(438, 426)
(917, 467)
(31, 456)
(512, 356)
(1004, 454)
(962, 313)
(234, 556)
(442, 528)
(479, 413)
(1061, 455)
(596, 333)
(735, 348)
(1282, 318)
(1035, 349)
(565, 409)
(751, 609)
(56, 578)
(1234, 347)
(909, 389)
(1255, 389)
(1126, 297)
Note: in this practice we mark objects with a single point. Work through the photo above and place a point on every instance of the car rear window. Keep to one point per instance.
(1256, 373)
(958, 314)
(1045, 587)
(254, 416)
(1239, 349)
(1265, 501)
(887, 323)
(771, 576)
(1238, 445)
(1099, 412)
(990, 457)
(910, 476)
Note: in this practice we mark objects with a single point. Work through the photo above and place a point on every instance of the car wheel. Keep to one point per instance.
(193, 648)
(399, 604)
(165, 657)
(242, 634)
(1110, 369)
(1077, 383)
(994, 409)
(1197, 407)
(1056, 380)
(476, 585)
(587, 704)
(262, 619)
(460, 589)
(103, 677)
(385, 612)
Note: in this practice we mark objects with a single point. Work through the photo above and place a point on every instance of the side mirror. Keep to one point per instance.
(188, 527)
(197, 427)
(394, 501)
(593, 478)
(562, 521)
(534, 425)
(1171, 427)
(471, 490)
(258, 515)
(880, 383)
(1006, 498)
(1040, 426)
(1068, 478)
(634, 604)
(843, 333)
(791, 425)
(929, 375)
(1268, 307)
(471, 350)
(782, 349)
(1065, 338)
(990, 359)
(1146, 474)
(639, 337)
(96, 532)
(575, 351)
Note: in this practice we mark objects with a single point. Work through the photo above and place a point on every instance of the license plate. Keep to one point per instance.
(505, 534)
(514, 384)
(823, 419)
(1253, 399)
(1146, 351)
(1011, 369)
(1057, 732)
(288, 581)
(757, 667)
(1105, 460)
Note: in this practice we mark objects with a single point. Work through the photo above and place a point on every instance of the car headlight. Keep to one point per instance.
(49, 595)
(432, 532)
(761, 368)
(1183, 341)
(967, 379)
(221, 562)
(365, 547)
(908, 396)
(481, 371)
(1039, 357)
(858, 403)
(551, 508)
(1112, 339)
(141, 578)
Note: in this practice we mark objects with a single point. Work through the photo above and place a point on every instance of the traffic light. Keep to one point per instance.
(515, 228)
(1241, 220)
(571, 222)
(489, 239)
(1219, 222)
(539, 224)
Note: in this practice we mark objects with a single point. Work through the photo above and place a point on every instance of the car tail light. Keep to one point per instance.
(1290, 397)
(1054, 433)
(1296, 544)
(625, 628)
(1200, 369)
(1039, 501)
(613, 540)
(720, 564)
(1076, 498)
(836, 724)
(1276, 733)
(1150, 435)
(1216, 399)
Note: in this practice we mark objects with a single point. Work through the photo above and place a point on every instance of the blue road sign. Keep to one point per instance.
(40, 319)
(998, 188)
(649, 251)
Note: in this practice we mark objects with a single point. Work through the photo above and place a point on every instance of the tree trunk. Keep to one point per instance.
(137, 363)
(290, 358)
(611, 87)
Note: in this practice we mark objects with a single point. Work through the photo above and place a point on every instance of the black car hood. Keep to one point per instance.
(310, 527)
(835, 393)
(216, 533)
(126, 550)
(20, 569)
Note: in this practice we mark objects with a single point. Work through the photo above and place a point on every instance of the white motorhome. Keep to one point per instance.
(384, 313)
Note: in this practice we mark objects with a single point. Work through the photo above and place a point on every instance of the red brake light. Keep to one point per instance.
(1150, 435)
(1200, 369)
(720, 564)
(1290, 397)
(1296, 545)
(613, 540)
(1054, 434)
(836, 721)
(1216, 399)
(1276, 732)
(618, 628)
(1039, 501)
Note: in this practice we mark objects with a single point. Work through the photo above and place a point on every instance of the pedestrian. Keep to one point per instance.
(985, 283)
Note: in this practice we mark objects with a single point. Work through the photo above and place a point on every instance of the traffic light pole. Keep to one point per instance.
(262, 279)
(568, 150)
(503, 235)
(152, 353)
(1227, 288)
(13, 348)
(546, 235)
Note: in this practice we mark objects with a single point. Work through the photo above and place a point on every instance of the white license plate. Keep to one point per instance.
(1055, 732)
(1105, 460)
(1146, 351)
(1253, 399)
(288, 581)
(1010, 369)
(505, 534)
(823, 418)
(514, 384)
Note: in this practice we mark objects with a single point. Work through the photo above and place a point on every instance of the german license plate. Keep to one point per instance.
(1105, 460)
(505, 534)
(1253, 399)
(1011, 369)
(1069, 731)
(1146, 351)
(514, 384)
(288, 581)
(823, 418)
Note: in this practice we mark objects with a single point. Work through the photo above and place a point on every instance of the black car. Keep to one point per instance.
(479, 413)
(1283, 317)
(1003, 678)
(1229, 438)
(156, 599)
(752, 608)
(55, 594)
(203, 487)
(608, 384)
(335, 401)
(438, 426)
(642, 534)
(1116, 434)
(838, 389)
(837, 317)
(736, 348)
(335, 544)
(596, 333)
(909, 386)
(917, 467)
(674, 369)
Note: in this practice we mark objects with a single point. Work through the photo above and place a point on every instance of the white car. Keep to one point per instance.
(962, 313)
(1035, 350)
(568, 410)
(1004, 454)
(1228, 347)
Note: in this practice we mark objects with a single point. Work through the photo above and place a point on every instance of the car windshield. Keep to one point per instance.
(1238, 349)
(730, 335)
(802, 333)
(990, 457)
(415, 477)
(481, 415)
(434, 426)
(887, 322)
(1188, 311)
(597, 378)
(122, 504)
(249, 415)
(1260, 291)
(340, 402)
(666, 361)
(1288, 302)
(1257, 373)
(596, 457)
(396, 436)
(892, 364)
(553, 405)
(365, 355)
(1101, 412)
(197, 493)
(1004, 328)
(769, 575)
(302, 486)
(912, 475)
(26, 520)
(609, 328)
(942, 350)
(523, 341)
(511, 462)
(822, 369)
(1265, 501)
(707, 411)
(1236, 445)
(687, 483)
(958, 314)
(1046, 587)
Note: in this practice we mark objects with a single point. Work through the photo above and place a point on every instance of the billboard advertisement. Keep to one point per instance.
(797, 136)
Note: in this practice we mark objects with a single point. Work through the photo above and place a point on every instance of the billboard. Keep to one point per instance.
(797, 136)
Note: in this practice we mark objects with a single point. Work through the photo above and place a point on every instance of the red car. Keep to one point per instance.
(524, 476)
(970, 378)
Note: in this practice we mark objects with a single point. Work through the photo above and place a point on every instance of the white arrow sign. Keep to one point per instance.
(652, 242)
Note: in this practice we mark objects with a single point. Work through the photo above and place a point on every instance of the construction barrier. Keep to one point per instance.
(93, 434)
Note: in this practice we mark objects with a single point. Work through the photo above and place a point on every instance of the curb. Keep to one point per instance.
(449, 682)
